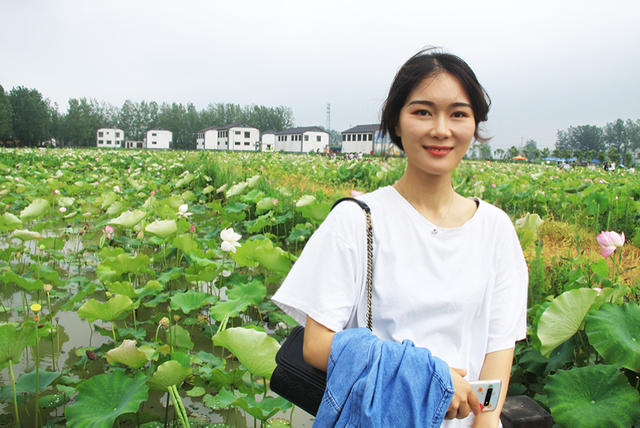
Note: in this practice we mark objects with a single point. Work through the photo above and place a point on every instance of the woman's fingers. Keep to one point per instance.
(464, 401)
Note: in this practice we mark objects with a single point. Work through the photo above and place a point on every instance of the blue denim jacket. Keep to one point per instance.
(382, 384)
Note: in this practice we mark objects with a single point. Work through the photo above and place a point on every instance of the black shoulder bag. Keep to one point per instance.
(293, 378)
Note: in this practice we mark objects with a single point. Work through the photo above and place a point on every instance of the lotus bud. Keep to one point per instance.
(176, 318)
(164, 322)
(91, 355)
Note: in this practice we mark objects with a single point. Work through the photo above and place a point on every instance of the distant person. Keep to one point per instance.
(606, 166)
(612, 167)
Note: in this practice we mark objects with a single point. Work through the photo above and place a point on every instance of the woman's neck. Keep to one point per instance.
(426, 192)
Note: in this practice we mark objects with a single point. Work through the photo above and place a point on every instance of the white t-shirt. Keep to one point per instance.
(461, 293)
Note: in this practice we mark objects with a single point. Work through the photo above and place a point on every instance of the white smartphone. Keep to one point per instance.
(488, 393)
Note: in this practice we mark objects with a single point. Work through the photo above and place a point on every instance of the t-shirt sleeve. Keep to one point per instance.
(508, 319)
(325, 282)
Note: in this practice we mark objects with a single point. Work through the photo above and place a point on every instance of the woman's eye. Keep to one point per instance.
(460, 114)
(422, 112)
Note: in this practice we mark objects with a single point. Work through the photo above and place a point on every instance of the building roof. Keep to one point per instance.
(271, 131)
(207, 129)
(362, 128)
(159, 128)
(301, 130)
(111, 127)
(237, 125)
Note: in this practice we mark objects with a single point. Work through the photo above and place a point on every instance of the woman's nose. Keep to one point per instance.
(440, 127)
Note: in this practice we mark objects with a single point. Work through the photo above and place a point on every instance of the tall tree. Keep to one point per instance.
(6, 115)
(530, 148)
(30, 120)
(584, 137)
(82, 121)
(615, 135)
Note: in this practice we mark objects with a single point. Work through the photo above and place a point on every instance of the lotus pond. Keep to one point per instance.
(135, 285)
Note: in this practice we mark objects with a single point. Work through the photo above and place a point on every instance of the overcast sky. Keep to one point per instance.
(547, 65)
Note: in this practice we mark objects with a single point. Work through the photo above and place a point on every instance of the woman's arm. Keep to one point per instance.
(317, 344)
(497, 365)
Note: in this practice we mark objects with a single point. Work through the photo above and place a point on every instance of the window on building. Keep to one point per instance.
(100, 142)
(154, 142)
(349, 137)
(359, 137)
(285, 137)
(117, 135)
(247, 134)
(237, 132)
(109, 142)
(246, 143)
(100, 134)
(153, 134)
(370, 137)
(306, 138)
(237, 143)
(319, 138)
(344, 137)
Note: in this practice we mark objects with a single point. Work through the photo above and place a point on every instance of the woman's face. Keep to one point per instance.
(436, 125)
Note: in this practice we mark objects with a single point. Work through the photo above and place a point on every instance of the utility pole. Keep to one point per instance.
(329, 118)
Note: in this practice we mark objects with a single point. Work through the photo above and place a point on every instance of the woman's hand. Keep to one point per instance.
(464, 400)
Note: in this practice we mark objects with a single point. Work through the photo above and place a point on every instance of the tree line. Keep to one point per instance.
(617, 141)
(28, 119)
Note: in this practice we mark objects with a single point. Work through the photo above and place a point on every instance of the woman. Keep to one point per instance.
(449, 273)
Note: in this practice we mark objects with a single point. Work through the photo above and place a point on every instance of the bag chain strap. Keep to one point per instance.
(369, 270)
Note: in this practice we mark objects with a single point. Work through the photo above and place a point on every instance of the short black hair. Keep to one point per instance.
(430, 62)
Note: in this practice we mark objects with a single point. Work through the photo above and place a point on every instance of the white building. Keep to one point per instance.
(268, 141)
(238, 136)
(207, 139)
(158, 138)
(110, 137)
(301, 140)
(359, 139)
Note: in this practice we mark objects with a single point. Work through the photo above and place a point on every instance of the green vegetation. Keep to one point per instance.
(168, 261)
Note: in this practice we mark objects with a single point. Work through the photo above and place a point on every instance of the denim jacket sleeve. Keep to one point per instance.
(373, 383)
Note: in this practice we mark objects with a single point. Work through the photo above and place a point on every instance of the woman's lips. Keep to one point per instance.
(438, 151)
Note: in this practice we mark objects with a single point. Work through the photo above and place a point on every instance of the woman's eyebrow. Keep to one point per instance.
(432, 104)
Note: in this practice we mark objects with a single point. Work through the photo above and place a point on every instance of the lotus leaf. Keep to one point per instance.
(254, 349)
(196, 391)
(102, 398)
(236, 189)
(54, 400)
(277, 423)
(185, 243)
(265, 204)
(615, 332)
(592, 396)
(240, 298)
(299, 233)
(168, 374)
(34, 210)
(162, 228)
(220, 378)
(26, 383)
(188, 178)
(9, 221)
(601, 268)
(314, 211)
(253, 181)
(108, 199)
(262, 410)
(305, 200)
(28, 284)
(191, 300)
(13, 341)
(272, 258)
(111, 310)
(208, 190)
(564, 317)
(127, 354)
(129, 219)
(123, 288)
(26, 235)
(113, 269)
(180, 338)
(208, 274)
(244, 255)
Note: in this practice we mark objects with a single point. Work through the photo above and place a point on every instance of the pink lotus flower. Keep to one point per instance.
(609, 241)
(275, 202)
(56, 192)
(109, 230)
(355, 193)
(493, 185)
